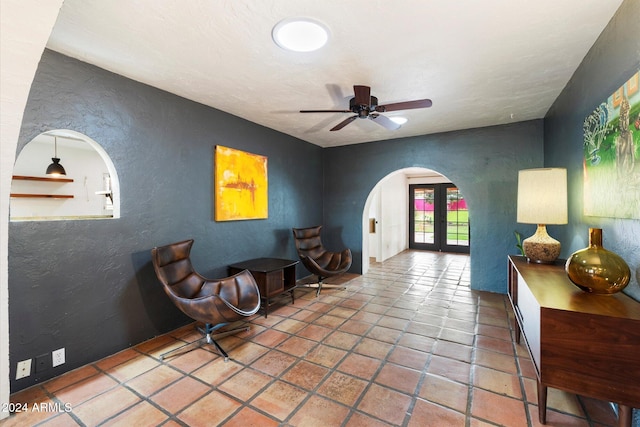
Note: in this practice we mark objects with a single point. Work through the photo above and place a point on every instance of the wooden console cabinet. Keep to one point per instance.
(274, 276)
(579, 342)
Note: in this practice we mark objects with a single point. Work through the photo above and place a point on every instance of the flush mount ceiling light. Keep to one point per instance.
(399, 120)
(300, 34)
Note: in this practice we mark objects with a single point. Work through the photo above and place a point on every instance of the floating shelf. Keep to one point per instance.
(46, 196)
(41, 178)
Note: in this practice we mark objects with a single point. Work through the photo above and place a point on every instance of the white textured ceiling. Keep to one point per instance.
(482, 63)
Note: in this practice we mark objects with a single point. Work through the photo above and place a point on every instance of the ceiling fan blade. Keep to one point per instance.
(407, 105)
(363, 95)
(343, 123)
(325, 111)
(384, 121)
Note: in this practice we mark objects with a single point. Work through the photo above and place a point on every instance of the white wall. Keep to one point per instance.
(25, 26)
(393, 224)
(440, 179)
(374, 214)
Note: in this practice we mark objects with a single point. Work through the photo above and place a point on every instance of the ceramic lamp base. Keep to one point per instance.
(541, 248)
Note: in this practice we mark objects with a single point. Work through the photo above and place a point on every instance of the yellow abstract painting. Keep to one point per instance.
(241, 185)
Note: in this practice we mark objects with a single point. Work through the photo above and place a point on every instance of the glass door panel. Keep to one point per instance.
(422, 220)
(457, 218)
(424, 215)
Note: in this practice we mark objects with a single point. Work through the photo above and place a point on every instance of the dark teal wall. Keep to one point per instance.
(482, 162)
(612, 60)
(88, 285)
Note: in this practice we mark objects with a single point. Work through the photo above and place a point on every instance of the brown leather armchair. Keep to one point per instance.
(317, 259)
(214, 302)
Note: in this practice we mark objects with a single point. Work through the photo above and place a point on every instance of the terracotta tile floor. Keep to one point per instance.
(407, 344)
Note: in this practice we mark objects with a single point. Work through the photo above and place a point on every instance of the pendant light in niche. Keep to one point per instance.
(55, 168)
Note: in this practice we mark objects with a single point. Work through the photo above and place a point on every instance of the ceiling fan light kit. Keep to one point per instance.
(399, 120)
(300, 34)
(365, 106)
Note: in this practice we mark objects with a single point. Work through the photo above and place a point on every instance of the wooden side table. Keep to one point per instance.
(578, 342)
(274, 277)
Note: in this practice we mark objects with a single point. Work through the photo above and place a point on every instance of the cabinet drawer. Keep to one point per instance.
(528, 313)
(274, 283)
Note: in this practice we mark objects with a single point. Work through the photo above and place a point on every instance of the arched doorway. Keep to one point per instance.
(385, 217)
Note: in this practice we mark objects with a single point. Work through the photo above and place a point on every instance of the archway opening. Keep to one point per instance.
(90, 188)
(385, 217)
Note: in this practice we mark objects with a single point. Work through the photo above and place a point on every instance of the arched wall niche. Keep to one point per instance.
(89, 190)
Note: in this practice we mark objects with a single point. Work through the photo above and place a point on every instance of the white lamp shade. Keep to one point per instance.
(542, 196)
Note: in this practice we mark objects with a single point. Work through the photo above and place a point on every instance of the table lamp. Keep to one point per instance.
(542, 200)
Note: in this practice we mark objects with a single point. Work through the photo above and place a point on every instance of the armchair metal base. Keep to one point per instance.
(321, 285)
(208, 338)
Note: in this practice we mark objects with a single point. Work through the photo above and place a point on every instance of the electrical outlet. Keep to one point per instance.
(23, 369)
(57, 357)
(43, 362)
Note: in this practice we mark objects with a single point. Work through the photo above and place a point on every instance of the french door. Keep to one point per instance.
(438, 218)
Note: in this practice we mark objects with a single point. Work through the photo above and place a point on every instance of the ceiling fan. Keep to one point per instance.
(365, 106)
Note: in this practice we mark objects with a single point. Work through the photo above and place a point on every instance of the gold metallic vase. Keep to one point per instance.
(597, 270)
